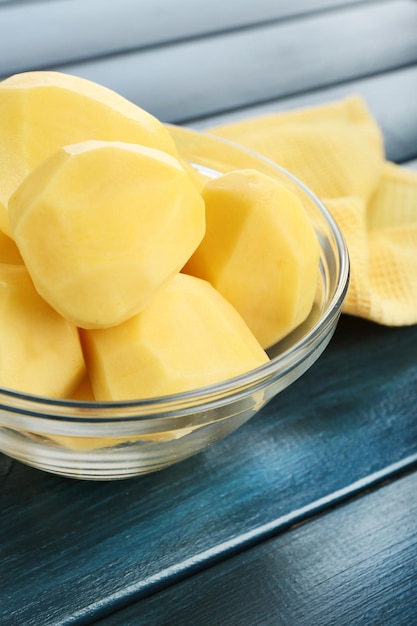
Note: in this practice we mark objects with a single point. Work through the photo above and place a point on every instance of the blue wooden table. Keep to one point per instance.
(307, 514)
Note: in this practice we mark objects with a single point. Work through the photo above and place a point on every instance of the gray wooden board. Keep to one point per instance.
(391, 98)
(66, 31)
(314, 575)
(214, 74)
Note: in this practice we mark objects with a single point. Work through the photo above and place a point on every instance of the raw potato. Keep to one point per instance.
(9, 252)
(102, 226)
(40, 352)
(197, 177)
(85, 444)
(260, 252)
(84, 393)
(42, 111)
(189, 336)
(104, 215)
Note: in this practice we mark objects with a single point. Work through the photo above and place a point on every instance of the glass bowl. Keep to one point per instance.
(114, 440)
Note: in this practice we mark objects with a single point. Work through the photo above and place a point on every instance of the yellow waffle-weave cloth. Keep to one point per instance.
(337, 150)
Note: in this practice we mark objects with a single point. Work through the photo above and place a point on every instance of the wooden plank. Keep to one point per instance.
(214, 74)
(5, 467)
(105, 27)
(71, 550)
(390, 98)
(355, 565)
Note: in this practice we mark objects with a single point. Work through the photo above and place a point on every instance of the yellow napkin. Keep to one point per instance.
(337, 150)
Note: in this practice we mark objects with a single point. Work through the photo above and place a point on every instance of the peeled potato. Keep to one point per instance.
(40, 352)
(260, 252)
(189, 336)
(42, 111)
(102, 226)
(9, 252)
(83, 392)
(86, 444)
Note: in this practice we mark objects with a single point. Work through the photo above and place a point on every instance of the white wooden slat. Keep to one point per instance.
(48, 32)
(391, 98)
(211, 75)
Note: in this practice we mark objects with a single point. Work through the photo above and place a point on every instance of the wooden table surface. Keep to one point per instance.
(306, 515)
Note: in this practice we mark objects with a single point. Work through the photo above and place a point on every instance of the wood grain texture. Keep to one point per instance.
(5, 468)
(70, 550)
(389, 97)
(230, 70)
(65, 31)
(355, 565)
